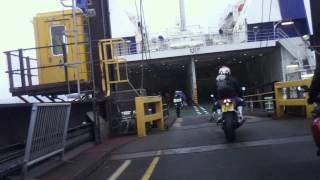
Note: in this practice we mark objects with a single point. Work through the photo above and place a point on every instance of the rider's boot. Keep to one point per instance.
(219, 116)
(240, 114)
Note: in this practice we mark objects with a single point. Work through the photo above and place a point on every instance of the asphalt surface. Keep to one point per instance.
(194, 148)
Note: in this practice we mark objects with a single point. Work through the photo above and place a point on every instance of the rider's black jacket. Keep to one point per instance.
(230, 89)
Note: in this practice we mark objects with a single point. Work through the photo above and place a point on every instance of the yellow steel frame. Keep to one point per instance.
(281, 103)
(105, 62)
(43, 23)
(142, 118)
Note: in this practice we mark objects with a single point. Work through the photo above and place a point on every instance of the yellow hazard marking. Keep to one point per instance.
(120, 170)
(150, 169)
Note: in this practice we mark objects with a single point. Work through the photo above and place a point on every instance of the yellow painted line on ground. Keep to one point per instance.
(150, 169)
(120, 170)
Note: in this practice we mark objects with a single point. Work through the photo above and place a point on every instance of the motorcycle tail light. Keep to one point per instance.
(316, 130)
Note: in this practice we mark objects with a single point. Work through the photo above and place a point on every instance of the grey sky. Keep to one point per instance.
(17, 30)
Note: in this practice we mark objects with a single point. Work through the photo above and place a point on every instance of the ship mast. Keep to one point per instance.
(182, 16)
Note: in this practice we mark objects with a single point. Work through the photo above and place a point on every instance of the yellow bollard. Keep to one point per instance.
(142, 118)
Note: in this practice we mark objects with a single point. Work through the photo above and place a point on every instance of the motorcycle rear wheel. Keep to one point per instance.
(229, 126)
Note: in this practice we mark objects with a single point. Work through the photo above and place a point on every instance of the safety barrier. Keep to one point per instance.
(297, 97)
(265, 101)
(143, 116)
(47, 132)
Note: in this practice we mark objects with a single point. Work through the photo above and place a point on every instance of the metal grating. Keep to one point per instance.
(47, 132)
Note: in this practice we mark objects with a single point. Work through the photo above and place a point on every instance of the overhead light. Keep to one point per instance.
(260, 54)
(219, 58)
(292, 66)
(244, 54)
(183, 66)
(306, 76)
(306, 37)
(252, 56)
(299, 87)
(287, 23)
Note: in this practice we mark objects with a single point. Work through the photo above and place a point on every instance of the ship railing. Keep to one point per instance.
(185, 41)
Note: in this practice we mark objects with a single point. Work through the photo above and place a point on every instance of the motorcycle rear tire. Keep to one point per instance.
(229, 126)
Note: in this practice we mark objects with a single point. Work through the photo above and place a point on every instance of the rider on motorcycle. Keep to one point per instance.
(228, 87)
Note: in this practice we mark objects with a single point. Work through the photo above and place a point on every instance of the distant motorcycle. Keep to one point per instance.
(229, 118)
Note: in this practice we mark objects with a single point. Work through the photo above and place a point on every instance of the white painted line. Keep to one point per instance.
(199, 149)
(120, 170)
(204, 110)
(179, 120)
(177, 125)
(159, 153)
(197, 110)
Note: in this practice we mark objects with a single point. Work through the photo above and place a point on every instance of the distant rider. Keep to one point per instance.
(177, 101)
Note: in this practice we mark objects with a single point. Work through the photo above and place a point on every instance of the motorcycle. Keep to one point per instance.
(316, 126)
(230, 118)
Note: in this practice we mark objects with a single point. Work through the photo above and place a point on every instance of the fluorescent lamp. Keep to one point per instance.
(287, 23)
(292, 66)
(306, 76)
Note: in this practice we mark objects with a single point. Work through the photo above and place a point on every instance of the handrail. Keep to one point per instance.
(257, 98)
(259, 94)
(157, 45)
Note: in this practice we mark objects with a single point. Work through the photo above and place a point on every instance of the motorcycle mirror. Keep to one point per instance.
(211, 95)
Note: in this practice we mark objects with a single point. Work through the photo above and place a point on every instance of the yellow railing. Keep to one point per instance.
(282, 102)
(143, 116)
(104, 55)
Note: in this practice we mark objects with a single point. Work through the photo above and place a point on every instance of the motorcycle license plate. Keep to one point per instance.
(226, 108)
